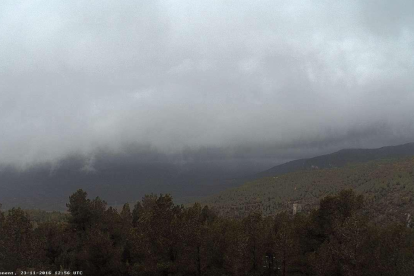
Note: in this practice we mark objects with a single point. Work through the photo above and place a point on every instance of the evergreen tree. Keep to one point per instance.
(18, 245)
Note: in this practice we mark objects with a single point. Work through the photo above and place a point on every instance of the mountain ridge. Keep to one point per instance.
(387, 185)
(129, 176)
(339, 158)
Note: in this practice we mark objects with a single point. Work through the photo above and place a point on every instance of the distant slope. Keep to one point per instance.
(340, 159)
(127, 176)
(388, 186)
(118, 178)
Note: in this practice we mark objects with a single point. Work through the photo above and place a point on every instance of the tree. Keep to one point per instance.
(55, 241)
(339, 234)
(18, 245)
(157, 243)
(80, 209)
(393, 252)
(103, 258)
(255, 243)
(194, 231)
(126, 214)
(3, 251)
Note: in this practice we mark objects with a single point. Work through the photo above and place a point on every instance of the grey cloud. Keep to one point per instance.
(255, 80)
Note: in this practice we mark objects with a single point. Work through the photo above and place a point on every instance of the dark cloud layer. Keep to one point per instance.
(263, 79)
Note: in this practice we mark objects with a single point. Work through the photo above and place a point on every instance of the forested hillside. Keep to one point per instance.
(388, 186)
(127, 176)
(340, 158)
(158, 237)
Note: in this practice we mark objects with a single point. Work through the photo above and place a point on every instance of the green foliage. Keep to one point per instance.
(386, 184)
(161, 238)
(40, 216)
(18, 247)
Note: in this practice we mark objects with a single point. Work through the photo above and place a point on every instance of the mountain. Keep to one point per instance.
(384, 175)
(117, 177)
(387, 184)
(339, 159)
(128, 175)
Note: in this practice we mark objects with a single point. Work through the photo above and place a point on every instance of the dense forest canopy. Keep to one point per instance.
(158, 237)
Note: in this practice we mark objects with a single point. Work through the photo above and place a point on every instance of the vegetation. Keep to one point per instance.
(342, 158)
(158, 237)
(127, 176)
(388, 187)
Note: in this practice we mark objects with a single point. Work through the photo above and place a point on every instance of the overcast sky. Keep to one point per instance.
(257, 78)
